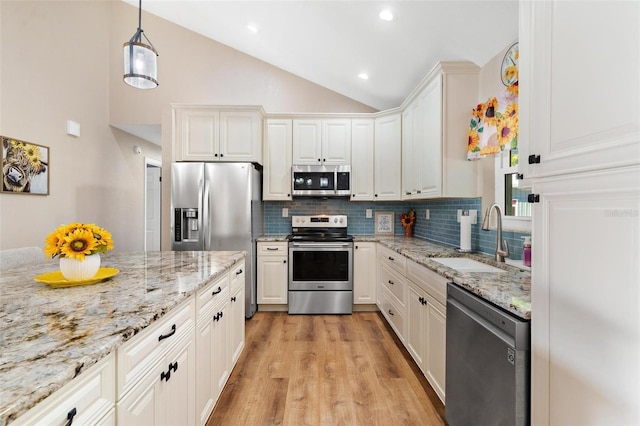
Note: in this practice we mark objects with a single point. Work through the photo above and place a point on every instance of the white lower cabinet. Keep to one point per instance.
(236, 323)
(273, 272)
(412, 298)
(88, 399)
(364, 274)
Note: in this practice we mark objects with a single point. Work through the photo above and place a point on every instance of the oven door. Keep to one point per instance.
(320, 266)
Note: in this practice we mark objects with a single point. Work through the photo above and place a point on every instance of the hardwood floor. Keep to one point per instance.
(325, 370)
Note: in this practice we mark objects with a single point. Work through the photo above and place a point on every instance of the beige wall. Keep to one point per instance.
(54, 68)
(62, 60)
(197, 70)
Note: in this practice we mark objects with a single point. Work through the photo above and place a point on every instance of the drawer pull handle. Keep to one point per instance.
(391, 282)
(233, 298)
(166, 336)
(173, 366)
(219, 290)
(391, 258)
(239, 272)
(165, 376)
(70, 415)
(272, 248)
(390, 313)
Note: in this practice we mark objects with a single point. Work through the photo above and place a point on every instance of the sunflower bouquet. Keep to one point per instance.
(77, 240)
(408, 219)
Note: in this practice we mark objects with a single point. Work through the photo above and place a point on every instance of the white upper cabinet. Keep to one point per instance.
(205, 133)
(276, 179)
(388, 154)
(580, 108)
(320, 142)
(434, 139)
(362, 148)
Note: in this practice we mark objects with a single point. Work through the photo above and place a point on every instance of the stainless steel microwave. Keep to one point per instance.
(321, 181)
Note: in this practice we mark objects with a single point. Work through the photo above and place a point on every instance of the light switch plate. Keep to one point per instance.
(285, 212)
(368, 213)
(427, 214)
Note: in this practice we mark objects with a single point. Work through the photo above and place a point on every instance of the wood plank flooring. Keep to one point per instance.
(325, 370)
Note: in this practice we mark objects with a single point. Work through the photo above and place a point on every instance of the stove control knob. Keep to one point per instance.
(335, 220)
(341, 220)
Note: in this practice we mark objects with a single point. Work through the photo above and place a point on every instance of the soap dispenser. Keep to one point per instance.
(526, 251)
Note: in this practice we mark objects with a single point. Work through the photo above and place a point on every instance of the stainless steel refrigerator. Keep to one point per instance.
(218, 206)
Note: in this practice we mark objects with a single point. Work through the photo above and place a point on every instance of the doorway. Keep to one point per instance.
(152, 204)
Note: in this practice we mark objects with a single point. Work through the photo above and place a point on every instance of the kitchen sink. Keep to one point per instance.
(463, 264)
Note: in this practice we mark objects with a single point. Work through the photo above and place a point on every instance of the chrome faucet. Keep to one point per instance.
(501, 252)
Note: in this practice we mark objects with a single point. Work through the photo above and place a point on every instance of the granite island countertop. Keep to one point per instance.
(50, 335)
(510, 290)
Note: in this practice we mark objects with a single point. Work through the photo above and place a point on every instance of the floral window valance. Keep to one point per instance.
(494, 124)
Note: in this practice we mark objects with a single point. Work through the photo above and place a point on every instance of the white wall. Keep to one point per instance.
(490, 85)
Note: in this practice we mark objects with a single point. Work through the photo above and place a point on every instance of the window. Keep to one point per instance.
(511, 192)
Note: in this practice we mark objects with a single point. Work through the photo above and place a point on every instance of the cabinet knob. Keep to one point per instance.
(375, 195)
(284, 261)
(318, 160)
(215, 155)
(356, 247)
(221, 155)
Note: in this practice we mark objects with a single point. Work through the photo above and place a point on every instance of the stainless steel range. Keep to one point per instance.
(320, 265)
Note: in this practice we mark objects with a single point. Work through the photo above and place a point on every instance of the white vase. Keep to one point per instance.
(75, 270)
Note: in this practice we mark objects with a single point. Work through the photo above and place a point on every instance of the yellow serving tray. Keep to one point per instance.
(56, 279)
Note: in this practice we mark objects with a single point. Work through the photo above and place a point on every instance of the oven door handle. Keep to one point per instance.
(320, 245)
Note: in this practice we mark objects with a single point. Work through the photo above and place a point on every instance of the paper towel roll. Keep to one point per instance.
(465, 233)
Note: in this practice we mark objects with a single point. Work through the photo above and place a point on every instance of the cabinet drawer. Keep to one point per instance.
(273, 248)
(237, 276)
(139, 354)
(431, 282)
(212, 294)
(87, 398)
(393, 314)
(394, 283)
(394, 260)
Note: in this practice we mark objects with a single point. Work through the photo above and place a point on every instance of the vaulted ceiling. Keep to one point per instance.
(332, 42)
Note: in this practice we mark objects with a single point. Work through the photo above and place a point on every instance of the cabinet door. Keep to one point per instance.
(409, 187)
(277, 161)
(273, 274)
(307, 142)
(336, 141)
(236, 325)
(431, 153)
(362, 147)
(220, 351)
(364, 274)
(205, 398)
(416, 336)
(586, 297)
(179, 396)
(435, 322)
(388, 151)
(579, 103)
(197, 134)
(241, 136)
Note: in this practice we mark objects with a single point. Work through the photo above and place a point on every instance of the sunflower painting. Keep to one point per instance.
(25, 167)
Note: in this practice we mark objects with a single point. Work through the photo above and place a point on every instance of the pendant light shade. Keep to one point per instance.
(140, 60)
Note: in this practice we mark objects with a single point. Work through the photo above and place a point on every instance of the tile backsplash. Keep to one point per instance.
(442, 225)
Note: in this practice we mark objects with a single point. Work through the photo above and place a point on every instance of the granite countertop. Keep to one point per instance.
(49, 335)
(510, 290)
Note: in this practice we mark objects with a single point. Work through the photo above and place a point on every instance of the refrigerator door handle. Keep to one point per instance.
(206, 220)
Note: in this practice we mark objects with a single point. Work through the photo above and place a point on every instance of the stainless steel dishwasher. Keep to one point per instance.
(488, 363)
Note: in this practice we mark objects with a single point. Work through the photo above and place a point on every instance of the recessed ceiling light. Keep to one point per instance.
(252, 28)
(386, 15)
(364, 76)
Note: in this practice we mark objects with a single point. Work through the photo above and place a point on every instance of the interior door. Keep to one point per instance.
(153, 207)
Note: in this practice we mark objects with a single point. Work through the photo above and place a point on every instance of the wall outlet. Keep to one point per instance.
(285, 212)
(427, 214)
(368, 213)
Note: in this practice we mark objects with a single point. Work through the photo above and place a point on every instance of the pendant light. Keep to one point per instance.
(140, 60)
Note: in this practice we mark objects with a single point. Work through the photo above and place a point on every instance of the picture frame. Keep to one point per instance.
(25, 167)
(384, 223)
